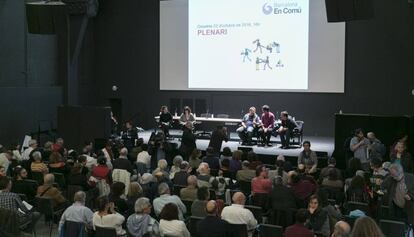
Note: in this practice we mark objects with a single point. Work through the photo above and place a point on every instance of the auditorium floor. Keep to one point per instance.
(319, 144)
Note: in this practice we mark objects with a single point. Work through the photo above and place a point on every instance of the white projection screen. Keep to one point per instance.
(250, 45)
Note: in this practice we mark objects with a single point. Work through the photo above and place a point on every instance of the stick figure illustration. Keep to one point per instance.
(246, 53)
(276, 46)
(258, 45)
(258, 62)
(266, 62)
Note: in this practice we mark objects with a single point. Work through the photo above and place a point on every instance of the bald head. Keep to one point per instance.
(342, 229)
(123, 152)
(211, 207)
(49, 179)
(239, 198)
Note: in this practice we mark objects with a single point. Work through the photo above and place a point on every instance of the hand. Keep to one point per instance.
(407, 197)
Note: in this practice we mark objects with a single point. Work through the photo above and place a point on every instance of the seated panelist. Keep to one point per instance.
(285, 129)
(250, 122)
(165, 120)
(187, 116)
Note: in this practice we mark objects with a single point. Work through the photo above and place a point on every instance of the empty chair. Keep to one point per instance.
(105, 232)
(238, 230)
(266, 230)
(393, 228)
(257, 212)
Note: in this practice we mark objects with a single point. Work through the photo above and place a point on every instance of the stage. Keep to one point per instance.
(324, 146)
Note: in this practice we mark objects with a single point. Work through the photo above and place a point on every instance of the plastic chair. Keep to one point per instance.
(393, 228)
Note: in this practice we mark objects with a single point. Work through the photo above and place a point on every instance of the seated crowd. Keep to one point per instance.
(154, 190)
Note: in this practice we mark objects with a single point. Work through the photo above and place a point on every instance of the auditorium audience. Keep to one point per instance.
(164, 198)
(27, 152)
(279, 171)
(366, 226)
(2, 171)
(101, 171)
(212, 225)
(198, 207)
(77, 178)
(190, 192)
(162, 167)
(253, 159)
(302, 188)
(5, 160)
(170, 224)
(245, 174)
(309, 158)
(226, 154)
(194, 160)
(378, 174)
(57, 164)
(237, 214)
(299, 229)
(235, 162)
(358, 189)
(204, 178)
(144, 158)
(217, 137)
(20, 185)
(332, 181)
(141, 222)
(108, 217)
(134, 192)
(77, 212)
(47, 190)
(331, 165)
(376, 148)
(281, 198)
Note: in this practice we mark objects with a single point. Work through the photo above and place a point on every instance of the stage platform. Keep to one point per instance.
(324, 146)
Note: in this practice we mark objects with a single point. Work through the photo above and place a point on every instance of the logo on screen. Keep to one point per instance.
(267, 9)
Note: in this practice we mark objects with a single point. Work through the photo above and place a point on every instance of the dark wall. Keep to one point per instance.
(29, 90)
(379, 68)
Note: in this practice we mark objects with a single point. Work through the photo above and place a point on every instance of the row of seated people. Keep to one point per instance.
(265, 126)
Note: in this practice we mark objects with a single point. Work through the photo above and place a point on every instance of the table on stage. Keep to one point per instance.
(210, 120)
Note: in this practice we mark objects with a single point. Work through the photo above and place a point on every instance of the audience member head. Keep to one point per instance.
(80, 197)
(332, 162)
(314, 202)
(341, 229)
(48, 146)
(396, 171)
(33, 143)
(20, 173)
(252, 111)
(3, 171)
(187, 110)
(143, 206)
(76, 169)
(245, 164)
(261, 171)
(146, 179)
(101, 160)
(192, 181)
(162, 165)
(366, 226)
(237, 155)
(37, 156)
(210, 151)
(239, 198)
(203, 194)
(129, 125)
(376, 163)
(184, 166)
(203, 169)
(359, 133)
(211, 208)
(302, 216)
(333, 174)
(123, 152)
(400, 147)
(5, 184)
(82, 160)
(60, 141)
(169, 212)
(163, 189)
(306, 145)
(227, 152)
(225, 163)
(135, 190)
(117, 189)
(280, 158)
(177, 161)
(103, 203)
(55, 157)
(293, 177)
(195, 154)
(49, 179)
(164, 109)
(371, 136)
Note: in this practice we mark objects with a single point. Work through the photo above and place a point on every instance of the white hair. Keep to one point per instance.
(141, 204)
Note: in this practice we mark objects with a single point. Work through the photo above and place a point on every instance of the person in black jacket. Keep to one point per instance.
(212, 225)
(117, 189)
(77, 178)
(188, 141)
(281, 199)
(318, 221)
(21, 186)
(285, 129)
(122, 162)
(165, 120)
(219, 135)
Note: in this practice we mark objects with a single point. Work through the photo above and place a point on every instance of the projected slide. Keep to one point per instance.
(245, 44)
